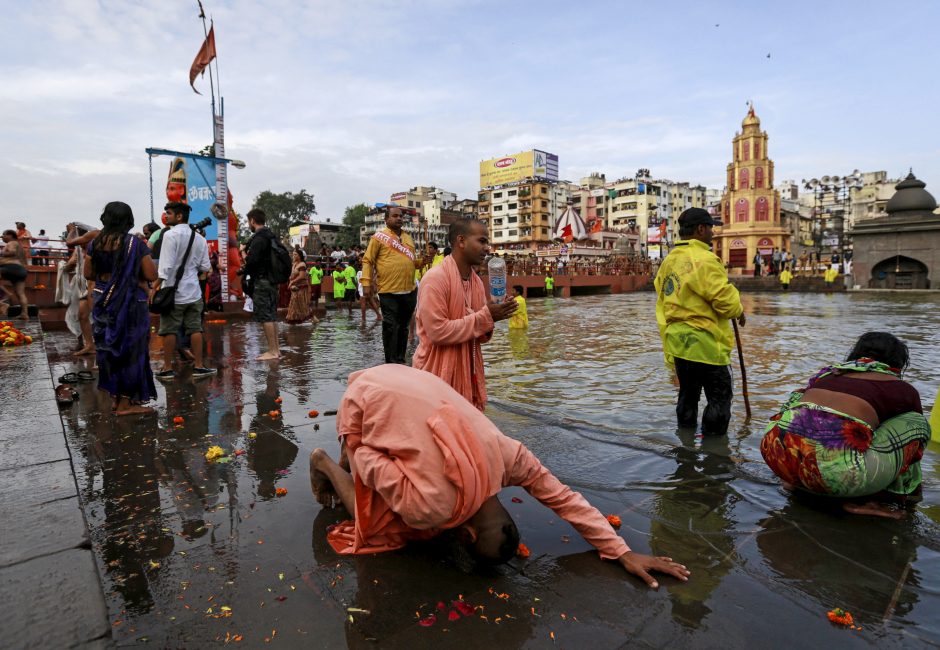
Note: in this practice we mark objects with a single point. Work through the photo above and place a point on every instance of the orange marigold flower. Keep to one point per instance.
(840, 617)
(278, 400)
(313, 414)
(178, 419)
(280, 491)
(614, 521)
(274, 414)
(523, 550)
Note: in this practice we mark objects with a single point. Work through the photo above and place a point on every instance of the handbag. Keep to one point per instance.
(164, 300)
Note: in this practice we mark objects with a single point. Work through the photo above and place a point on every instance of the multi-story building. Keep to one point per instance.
(429, 213)
(750, 206)
(521, 214)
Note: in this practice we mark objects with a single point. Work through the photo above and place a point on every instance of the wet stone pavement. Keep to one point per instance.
(193, 553)
(48, 579)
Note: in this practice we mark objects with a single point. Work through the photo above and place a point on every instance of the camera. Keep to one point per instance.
(199, 225)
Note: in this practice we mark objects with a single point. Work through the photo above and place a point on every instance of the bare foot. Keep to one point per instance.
(268, 356)
(319, 483)
(23, 316)
(874, 509)
(85, 351)
(134, 409)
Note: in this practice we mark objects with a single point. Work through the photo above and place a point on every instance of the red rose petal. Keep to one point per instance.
(453, 616)
(464, 608)
(516, 500)
(428, 622)
(441, 605)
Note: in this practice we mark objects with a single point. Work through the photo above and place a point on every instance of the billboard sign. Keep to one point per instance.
(518, 167)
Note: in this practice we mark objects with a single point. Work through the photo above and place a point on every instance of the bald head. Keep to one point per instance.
(463, 227)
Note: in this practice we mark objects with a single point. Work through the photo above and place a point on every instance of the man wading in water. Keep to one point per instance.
(694, 302)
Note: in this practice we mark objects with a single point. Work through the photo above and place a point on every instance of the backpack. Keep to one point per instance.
(280, 270)
(158, 245)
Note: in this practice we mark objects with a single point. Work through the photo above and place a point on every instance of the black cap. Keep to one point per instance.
(696, 216)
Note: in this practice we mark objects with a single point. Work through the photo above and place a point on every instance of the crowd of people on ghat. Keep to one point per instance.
(856, 432)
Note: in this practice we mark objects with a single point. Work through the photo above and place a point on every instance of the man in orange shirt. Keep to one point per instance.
(454, 315)
(438, 465)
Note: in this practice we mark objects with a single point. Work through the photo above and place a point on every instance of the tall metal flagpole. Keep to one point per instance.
(221, 178)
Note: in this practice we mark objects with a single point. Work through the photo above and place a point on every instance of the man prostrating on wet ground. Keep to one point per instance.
(438, 465)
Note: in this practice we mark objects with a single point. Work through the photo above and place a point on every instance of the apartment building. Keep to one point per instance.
(521, 215)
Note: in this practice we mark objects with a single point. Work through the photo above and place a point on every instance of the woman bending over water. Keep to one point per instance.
(856, 432)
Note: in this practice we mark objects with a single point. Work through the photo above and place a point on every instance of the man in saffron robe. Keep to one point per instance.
(439, 465)
(454, 317)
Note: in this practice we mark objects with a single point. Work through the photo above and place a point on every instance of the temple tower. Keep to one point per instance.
(750, 206)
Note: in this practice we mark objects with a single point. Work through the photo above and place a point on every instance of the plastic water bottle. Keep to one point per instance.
(496, 269)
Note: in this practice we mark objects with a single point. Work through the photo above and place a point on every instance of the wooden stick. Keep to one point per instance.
(737, 338)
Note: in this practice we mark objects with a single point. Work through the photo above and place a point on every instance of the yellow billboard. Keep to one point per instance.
(507, 169)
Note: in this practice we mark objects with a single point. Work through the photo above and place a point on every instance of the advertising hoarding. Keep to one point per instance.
(518, 167)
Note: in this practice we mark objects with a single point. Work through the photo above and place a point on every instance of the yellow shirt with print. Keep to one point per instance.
(694, 301)
(394, 272)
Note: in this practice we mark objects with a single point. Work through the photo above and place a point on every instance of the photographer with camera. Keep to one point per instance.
(184, 255)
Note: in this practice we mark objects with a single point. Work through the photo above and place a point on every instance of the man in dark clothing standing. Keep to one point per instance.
(259, 286)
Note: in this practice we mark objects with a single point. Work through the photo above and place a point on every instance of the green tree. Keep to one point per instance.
(284, 209)
(353, 219)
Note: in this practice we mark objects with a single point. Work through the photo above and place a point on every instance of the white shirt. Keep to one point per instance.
(173, 248)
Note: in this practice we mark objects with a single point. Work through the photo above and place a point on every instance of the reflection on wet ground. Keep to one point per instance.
(193, 552)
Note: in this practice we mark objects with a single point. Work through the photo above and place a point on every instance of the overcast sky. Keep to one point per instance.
(353, 100)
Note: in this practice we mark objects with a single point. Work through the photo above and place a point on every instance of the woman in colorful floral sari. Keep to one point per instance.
(857, 431)
(120, 265)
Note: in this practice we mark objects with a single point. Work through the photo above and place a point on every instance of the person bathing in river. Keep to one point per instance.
(856, 432)
(437, 467)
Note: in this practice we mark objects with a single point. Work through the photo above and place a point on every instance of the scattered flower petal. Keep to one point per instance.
(214, 452)
(428, 622)
(614, 521)
(523, 551)
(840, 617)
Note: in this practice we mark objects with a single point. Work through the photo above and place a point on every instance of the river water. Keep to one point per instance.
(585, 388)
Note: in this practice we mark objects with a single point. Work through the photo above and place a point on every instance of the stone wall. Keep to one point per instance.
(922, 245)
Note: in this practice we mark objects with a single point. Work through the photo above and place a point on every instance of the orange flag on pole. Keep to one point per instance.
(205, 56)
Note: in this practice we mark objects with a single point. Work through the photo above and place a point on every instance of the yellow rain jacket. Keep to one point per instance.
(831, 274)
(935, 419)
(694, 301)
(785, 276)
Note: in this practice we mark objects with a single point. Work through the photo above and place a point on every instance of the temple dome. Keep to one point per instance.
(750, 119)
(911, 197)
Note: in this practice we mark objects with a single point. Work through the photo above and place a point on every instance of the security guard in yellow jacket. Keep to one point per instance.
(694, 302)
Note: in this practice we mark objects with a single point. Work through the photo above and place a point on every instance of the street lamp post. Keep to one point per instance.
(841, 189)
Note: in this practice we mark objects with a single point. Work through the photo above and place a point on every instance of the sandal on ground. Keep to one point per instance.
(69, 378)
(63, 395)
(86, 375)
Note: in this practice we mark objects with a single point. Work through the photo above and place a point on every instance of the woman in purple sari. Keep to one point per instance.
(120, 265)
